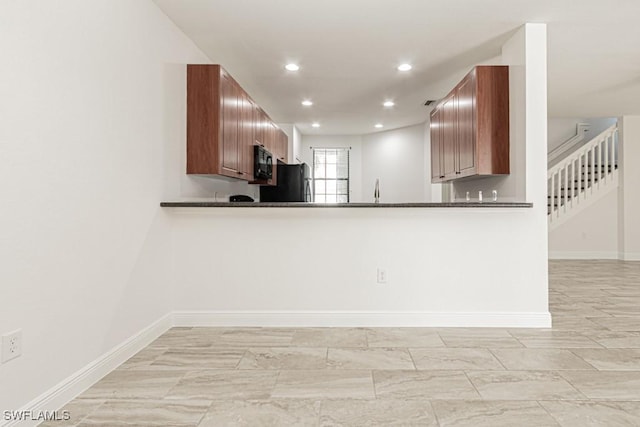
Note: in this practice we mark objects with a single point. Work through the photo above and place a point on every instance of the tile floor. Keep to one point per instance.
(583, 372)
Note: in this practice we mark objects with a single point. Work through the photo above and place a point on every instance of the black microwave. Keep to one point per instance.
(262, 163)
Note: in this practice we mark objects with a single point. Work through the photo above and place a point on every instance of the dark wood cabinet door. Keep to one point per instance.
(436, 146)
(283, 146)
(246, 138)
(449, 134)
(230, 116)
(257, 129)
(270, 138)
(262, 131)
(466, 128)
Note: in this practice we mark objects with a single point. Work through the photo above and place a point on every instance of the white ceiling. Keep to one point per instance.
(348, 51)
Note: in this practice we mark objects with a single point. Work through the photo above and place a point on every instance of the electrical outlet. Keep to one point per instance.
(11, 345)
(382, 275)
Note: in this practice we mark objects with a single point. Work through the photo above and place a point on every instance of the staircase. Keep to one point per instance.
(584, 176)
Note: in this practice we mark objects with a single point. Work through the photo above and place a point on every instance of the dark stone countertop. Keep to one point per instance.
(209, 204)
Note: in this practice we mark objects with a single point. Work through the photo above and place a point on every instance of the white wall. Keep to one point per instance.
(560, 129)
(397, 158)
(628, 195)
(92, 108)
(296, 146)
(591, 234)
(355, 159)
(445, 266)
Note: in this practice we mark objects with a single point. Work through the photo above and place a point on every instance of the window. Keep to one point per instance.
(331, 175)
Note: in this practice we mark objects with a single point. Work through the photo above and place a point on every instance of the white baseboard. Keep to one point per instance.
(361, 319)
(582, 255)
(624, 256)
(74, 385)
(630, 256)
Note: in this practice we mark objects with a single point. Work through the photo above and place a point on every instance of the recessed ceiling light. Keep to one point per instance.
(378, 125)
(307, 103)
(315, 125)
(292, 67)
(404, 67)
(389, 103)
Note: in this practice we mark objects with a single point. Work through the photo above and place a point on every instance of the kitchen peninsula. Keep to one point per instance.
(453, 264)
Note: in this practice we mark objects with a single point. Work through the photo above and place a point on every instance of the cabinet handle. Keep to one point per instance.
(240, 173)
(458, 172)
(441, 176)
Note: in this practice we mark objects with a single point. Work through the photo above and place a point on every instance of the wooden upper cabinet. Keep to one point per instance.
(223, 125)
(472, 125)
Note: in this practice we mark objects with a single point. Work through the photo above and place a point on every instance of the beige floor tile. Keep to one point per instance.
(553, 339)
(481, 337)
(606, 385)
(369, 358)
(330, 337)
(423, 385)
(523, 385)
(225, 384)
(76, 411)
(633, 292)
(574, 323)
(628, 323)
(130, 384)
(253, 337)
(143, 358)
(186, 337)
(148, 413)
(619, 359)
(197, 359)
(616, 339)
(284, 358)
(381, 412)
(454, 359)
(586, 414)
(526, 359)
(621, 306)
(403, 337)
(491, 414)
(324, 384)
(273, 412)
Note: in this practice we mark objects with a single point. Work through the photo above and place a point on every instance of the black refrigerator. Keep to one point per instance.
(294, 185)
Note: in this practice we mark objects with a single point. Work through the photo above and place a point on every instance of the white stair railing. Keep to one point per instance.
(583, 177)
